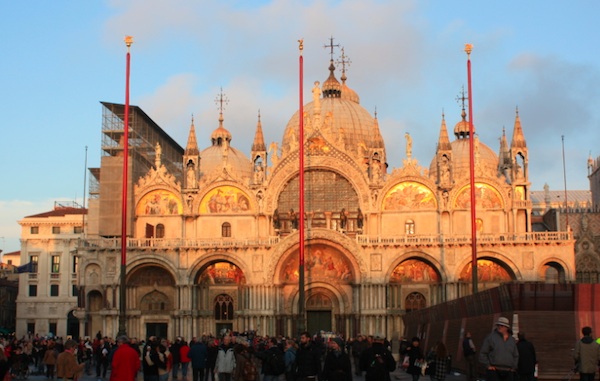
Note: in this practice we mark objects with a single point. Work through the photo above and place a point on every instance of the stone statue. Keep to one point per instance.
(259, 174)
(359, 219)
(191, 176)
(408, 145)
(158, 151)
(343, 218)
(276, 221)
(293, 219)
(317, 96)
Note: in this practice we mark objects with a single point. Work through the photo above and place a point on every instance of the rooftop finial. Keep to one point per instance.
(344, 60)
(221, 101)
(331, 46)
(461, 99)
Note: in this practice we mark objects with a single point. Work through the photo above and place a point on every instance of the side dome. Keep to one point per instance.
(460, 158)
(222, 155)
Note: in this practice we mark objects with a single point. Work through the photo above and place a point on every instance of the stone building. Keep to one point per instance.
(213, 234)
(47, 294)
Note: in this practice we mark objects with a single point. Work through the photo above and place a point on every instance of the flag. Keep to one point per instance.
(26, 268)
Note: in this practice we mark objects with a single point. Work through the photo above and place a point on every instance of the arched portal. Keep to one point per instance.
(329, 278)
(413, 284)
(220, 291)
(156, 297)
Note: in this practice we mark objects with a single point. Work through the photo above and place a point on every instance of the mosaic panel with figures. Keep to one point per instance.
(159, 202)
(414, 271)
(320, 263)
(485, 196)
(225, 199)
(222, 273)
(409, 195)
(487, 271)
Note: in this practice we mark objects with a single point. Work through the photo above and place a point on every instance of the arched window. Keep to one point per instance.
(415, 301)
(160, 231)
(226, 229)
(409, 227)
(223, 307)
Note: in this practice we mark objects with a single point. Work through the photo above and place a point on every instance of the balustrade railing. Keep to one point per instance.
(404, 240)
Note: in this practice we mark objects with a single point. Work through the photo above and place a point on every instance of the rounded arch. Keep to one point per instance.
(343, 165)
(553, 270)
(395, 273)
(326, 237)
(487, 196)
(156, 302)
(95, 301)
(322, 262)
(203, 262)
(491, 267)
(159, 202)
(149, 275)
(137, 262)
(340, 302)
(409, 195)
(327, 190)
(226, 199)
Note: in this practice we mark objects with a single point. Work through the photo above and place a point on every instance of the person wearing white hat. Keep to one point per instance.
(499, 353)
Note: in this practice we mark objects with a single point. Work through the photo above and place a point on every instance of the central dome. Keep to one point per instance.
(347, 118)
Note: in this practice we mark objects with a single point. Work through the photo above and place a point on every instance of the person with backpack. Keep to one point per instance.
(273, 362)
(377, 361)
(337, 362)
(245, 367)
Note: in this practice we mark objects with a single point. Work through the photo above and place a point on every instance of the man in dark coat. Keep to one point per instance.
(527, 359)
(197, 354)
(377, 361)
(307, 359)
(337, 362)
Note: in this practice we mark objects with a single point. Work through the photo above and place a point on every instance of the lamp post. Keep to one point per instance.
(123, 275)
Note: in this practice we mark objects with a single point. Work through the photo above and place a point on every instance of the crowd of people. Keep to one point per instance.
(250, 357)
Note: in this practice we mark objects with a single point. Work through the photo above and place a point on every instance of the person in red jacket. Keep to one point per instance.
(185, 360)
(125, 362)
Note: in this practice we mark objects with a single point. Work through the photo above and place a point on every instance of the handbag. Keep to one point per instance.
(405, 362)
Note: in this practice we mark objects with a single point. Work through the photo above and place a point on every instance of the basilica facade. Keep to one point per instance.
(213, 239)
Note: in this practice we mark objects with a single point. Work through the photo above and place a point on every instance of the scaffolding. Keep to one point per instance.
(144, 133)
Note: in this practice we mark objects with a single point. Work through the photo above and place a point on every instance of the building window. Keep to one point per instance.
(223, 307)
(9, 261)
(78, 229)
(52, 328)
(56, 230)
(53, 290)
(226, 229)
(415, 301)
(55, 264)
(75, 264)
(160, 231)
(33, 259)
(75, 290)
(409, 227)
(31, 328)
(34, 230)
(33, 290)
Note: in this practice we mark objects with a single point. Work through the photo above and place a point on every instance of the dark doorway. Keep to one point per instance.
(156, 329)
(72, 326)
(318, 321)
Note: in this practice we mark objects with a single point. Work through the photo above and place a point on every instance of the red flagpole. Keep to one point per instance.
(122, 288)
(468, 49)
(301, 301)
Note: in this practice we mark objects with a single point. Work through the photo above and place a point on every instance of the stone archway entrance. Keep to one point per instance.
(319, 309)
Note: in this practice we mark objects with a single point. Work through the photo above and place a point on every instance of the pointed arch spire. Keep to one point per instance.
(192, 144)
(443, 140)
(259, 140)
(518, 138)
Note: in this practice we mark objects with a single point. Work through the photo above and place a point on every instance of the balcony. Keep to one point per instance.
(363, 240)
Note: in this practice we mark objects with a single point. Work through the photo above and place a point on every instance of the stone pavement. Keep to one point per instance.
(398, 375)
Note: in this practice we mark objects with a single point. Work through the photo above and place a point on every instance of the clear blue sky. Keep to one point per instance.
(61, 58)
